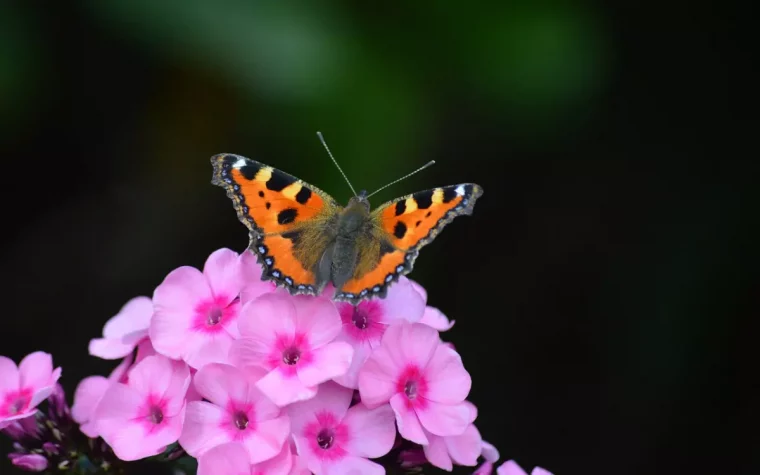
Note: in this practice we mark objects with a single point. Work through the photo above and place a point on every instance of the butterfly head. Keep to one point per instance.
(359, 201)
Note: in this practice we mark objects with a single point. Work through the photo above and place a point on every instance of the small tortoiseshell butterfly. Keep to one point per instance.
(304, 239)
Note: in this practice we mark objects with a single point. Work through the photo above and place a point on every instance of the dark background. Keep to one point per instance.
(605, 290)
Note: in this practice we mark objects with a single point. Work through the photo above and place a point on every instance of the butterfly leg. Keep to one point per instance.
(324, 268)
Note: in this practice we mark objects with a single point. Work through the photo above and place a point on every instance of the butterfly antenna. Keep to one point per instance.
(430, 163)
(322, 139)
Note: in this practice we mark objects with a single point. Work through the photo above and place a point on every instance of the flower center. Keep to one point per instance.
(410, 389)
(16, 406)
(156, 416)
(241, 420)
(214, 316)
(360, 319)
(291, 356)
(325, 438)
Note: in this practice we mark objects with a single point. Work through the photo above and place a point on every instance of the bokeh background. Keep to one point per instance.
(605, 290)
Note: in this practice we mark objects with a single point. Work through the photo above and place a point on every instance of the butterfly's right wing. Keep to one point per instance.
(289, 220)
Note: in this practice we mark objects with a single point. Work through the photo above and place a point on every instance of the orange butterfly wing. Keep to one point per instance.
(285, 217)
(402, 227)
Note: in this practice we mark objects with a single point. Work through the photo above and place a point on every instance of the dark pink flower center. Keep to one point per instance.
(16, 406)
(156, 415)
(410, 389)
(291, 356)
(241, 420)
(325, 438)
(360, 318)
(214, 316)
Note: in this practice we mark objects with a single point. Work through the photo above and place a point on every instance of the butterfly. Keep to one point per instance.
(305, 240)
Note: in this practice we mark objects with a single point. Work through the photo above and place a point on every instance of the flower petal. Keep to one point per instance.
(411, 343)
(203, 428)
(284, 389)
(249, 352)
(437, 453)
(434, 318)
(181, 291)
(377, 378)
(36, 371)
(420, 289)
(540, 471)
(406, 419)
(371, 431)
(318, 319)
(251, 271)
(351, 465)
(133, 317)
(330, 397)
(267, 317)
(231, 459)
(448, 381)
(510, 467)
(220, 383)
(159, 375)
(267, 441)
(214, 348)
(87, 395)
(222, 271)
(350, 378)
(444, 419)
(465, 449)
(327, 362)
(109, 349)
(281, 464)
(9, 375)
(403, 302)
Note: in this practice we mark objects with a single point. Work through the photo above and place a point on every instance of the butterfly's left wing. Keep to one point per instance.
(289, 220)
(401, 228)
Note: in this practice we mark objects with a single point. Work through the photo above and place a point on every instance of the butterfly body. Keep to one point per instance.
(305, 240)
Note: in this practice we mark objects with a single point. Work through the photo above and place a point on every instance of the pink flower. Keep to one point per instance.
(232, 459)
(291, 337)
(423, 379)
(237, 412)
(335, 439)
(510, 467)
(140, 418)
(88, 394)
(196, 312)
(22, 388)
(365, 324)
(123, 332)
(464, 449)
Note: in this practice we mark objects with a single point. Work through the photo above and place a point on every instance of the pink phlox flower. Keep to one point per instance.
(196, 312)
(123, 332)
(292, 339)
(25, 386)
(510, 467)
(235, 411)
(365, 323)
(335, 439)
(253, 286)
(463, 449)
(232, 459)
(423, 379)
(90, 391)
(140, 418)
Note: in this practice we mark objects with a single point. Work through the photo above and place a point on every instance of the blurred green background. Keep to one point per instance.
(605, 290)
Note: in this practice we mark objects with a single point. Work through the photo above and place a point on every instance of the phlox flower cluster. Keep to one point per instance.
(225, 368)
